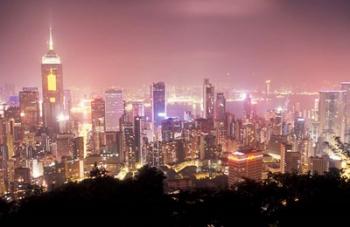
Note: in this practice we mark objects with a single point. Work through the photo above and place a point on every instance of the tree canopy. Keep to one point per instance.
(281, 200)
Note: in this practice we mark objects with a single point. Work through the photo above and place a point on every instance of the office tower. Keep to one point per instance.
(319, 165)
(205, 125)
(345, 86)
(111, 143)
(171, 128)
(209, 149)
(29, 107)
(54, 175)
(64, 146)
(169, 153)
(158, 103)
(290, 159)
(6, 90)
(98, 113)
(180, 150)
(52, 88)
(98, 124)
(138, 131)
(114, 109)
(154, 155)
(138, 109)
(299, 127)
(331, 114)
(208, 99)
(220, 108)
(229, 125)
(248, 107)
(128, 143)
(73, 169)
(78, 148)
(245, 163)
(67, 102)
(13, 130)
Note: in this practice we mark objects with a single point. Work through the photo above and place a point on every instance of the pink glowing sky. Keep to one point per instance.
(304, 43)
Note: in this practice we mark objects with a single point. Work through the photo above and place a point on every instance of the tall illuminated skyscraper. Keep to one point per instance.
(98, 123)
(138, 131)
(29, 107)
(52, 88)
(158, 103)
(98, 114)
(208, 99)
(67, 102)
(331, 114)
(114, 109)
(345, 86)
(220, 108)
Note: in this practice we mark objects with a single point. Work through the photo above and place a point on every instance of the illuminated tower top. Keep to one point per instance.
(51, 57)
(51, 40)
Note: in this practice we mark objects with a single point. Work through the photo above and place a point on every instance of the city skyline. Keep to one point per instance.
(181, 42)
(198, 112)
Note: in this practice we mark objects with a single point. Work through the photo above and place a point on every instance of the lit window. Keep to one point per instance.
(52, 99)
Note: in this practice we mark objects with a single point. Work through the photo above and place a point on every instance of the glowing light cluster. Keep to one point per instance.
(51, 82)
(62, 117)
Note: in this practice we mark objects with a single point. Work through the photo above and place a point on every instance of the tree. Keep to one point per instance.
(98, 171)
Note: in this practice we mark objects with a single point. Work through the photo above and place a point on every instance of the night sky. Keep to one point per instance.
(300, 43)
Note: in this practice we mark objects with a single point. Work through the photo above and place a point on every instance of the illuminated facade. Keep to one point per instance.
(245, 164)
(98, 124)
(138, 131)
(158, 103)
(220, 108)
(114, 109)
(208, 99)
(290, 159)
(29, 107)
(52, 88)
(345, 86)
(331, 114)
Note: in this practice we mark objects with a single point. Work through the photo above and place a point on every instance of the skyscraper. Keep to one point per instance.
(290, 159)
(29, 107)
(171, 128)
(208, 99)
(138, 109)
(98, 114)
(67, 102)
(331, 114)
(245, 163)
(114, 109)
(345, 86)
(98, 123)
(299, 127)
(52, 87)
(138, 126)
(158, 103)
(220, 108)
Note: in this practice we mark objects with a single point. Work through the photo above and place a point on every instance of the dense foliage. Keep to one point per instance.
(282, 200)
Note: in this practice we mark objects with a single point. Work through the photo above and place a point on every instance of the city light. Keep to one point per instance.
(62, 117)
(174, 110)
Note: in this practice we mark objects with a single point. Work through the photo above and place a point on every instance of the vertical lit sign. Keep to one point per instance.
(51, 81)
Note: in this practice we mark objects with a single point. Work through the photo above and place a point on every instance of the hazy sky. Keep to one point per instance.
(133, 42)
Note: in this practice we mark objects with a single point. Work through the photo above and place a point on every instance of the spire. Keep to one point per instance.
(50, 40)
